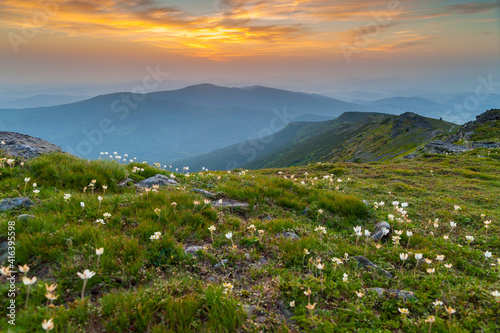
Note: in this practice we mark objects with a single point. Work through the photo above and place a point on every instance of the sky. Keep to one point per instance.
(276, 43)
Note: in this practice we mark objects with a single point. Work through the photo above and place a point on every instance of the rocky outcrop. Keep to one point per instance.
(25, 146)
(440, 147)
(409, 121)
(466, 132)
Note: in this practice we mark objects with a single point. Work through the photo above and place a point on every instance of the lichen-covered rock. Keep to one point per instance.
(25, 146)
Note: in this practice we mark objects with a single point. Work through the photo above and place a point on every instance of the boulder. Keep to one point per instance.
(158, 179)
(229, 203)
(378, 233)
(14, 203)
(25, 217)
(288, 235)
(4, 252)
(205, 193)
(440, 147)
(25, 146)
(367, 264)
(192, 249)
(404, 295)
(124, 183)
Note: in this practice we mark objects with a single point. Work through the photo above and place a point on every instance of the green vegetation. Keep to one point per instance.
(144, 283)
(354, 136)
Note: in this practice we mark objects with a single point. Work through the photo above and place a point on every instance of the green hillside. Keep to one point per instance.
(352, 137)
(289, 265)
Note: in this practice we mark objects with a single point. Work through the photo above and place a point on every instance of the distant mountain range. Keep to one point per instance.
(176, 125)
(165, 126)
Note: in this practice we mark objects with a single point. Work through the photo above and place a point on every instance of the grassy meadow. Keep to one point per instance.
(250, 273)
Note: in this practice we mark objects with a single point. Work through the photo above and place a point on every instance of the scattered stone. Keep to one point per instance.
(365, 263)
(286, 313)
(13, 203)
(229, 203)
(401, 294)
(25, 217)
(3, 252)
(222, 263)
(260, 320)
(411, 156)
(192, 249)
(212, 279)
(205, 193)
(158, 179)
(249, 309)
(25, 146)
(288, 235)
(262, 260)
(268, 218)
(378, 233)
(440, 147)
(125, 182)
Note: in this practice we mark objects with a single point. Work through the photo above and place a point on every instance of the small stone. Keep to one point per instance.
(365, 263)
(3, 252)
(229, 203)
(401, 294)
(222, 263)
(378, 233)
(205, 193)
(160, 180)
(13, 203)
(25, 217)
(288, 235)
(192, 249)
(125, 183)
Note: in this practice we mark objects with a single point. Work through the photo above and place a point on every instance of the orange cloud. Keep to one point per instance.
(236, 27)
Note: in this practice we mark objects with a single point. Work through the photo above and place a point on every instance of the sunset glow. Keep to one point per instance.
(234, 30)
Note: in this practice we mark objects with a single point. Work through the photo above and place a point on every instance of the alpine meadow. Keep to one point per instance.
(250, 166)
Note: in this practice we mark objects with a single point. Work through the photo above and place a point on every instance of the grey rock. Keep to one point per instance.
(205, 193)
(401, 294)
(229, 203)
(25, 217)
(212, 279)
(262, 260)
(378, 233)
(192, 249)
(367, 264)
(288, 235)
(25, 146)
(124, 183)
(249, 309)
(3, 252)
(440, 147)
(268, 218)
(158, 179)
(13, 203)
(411, 156)
(222, 263)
